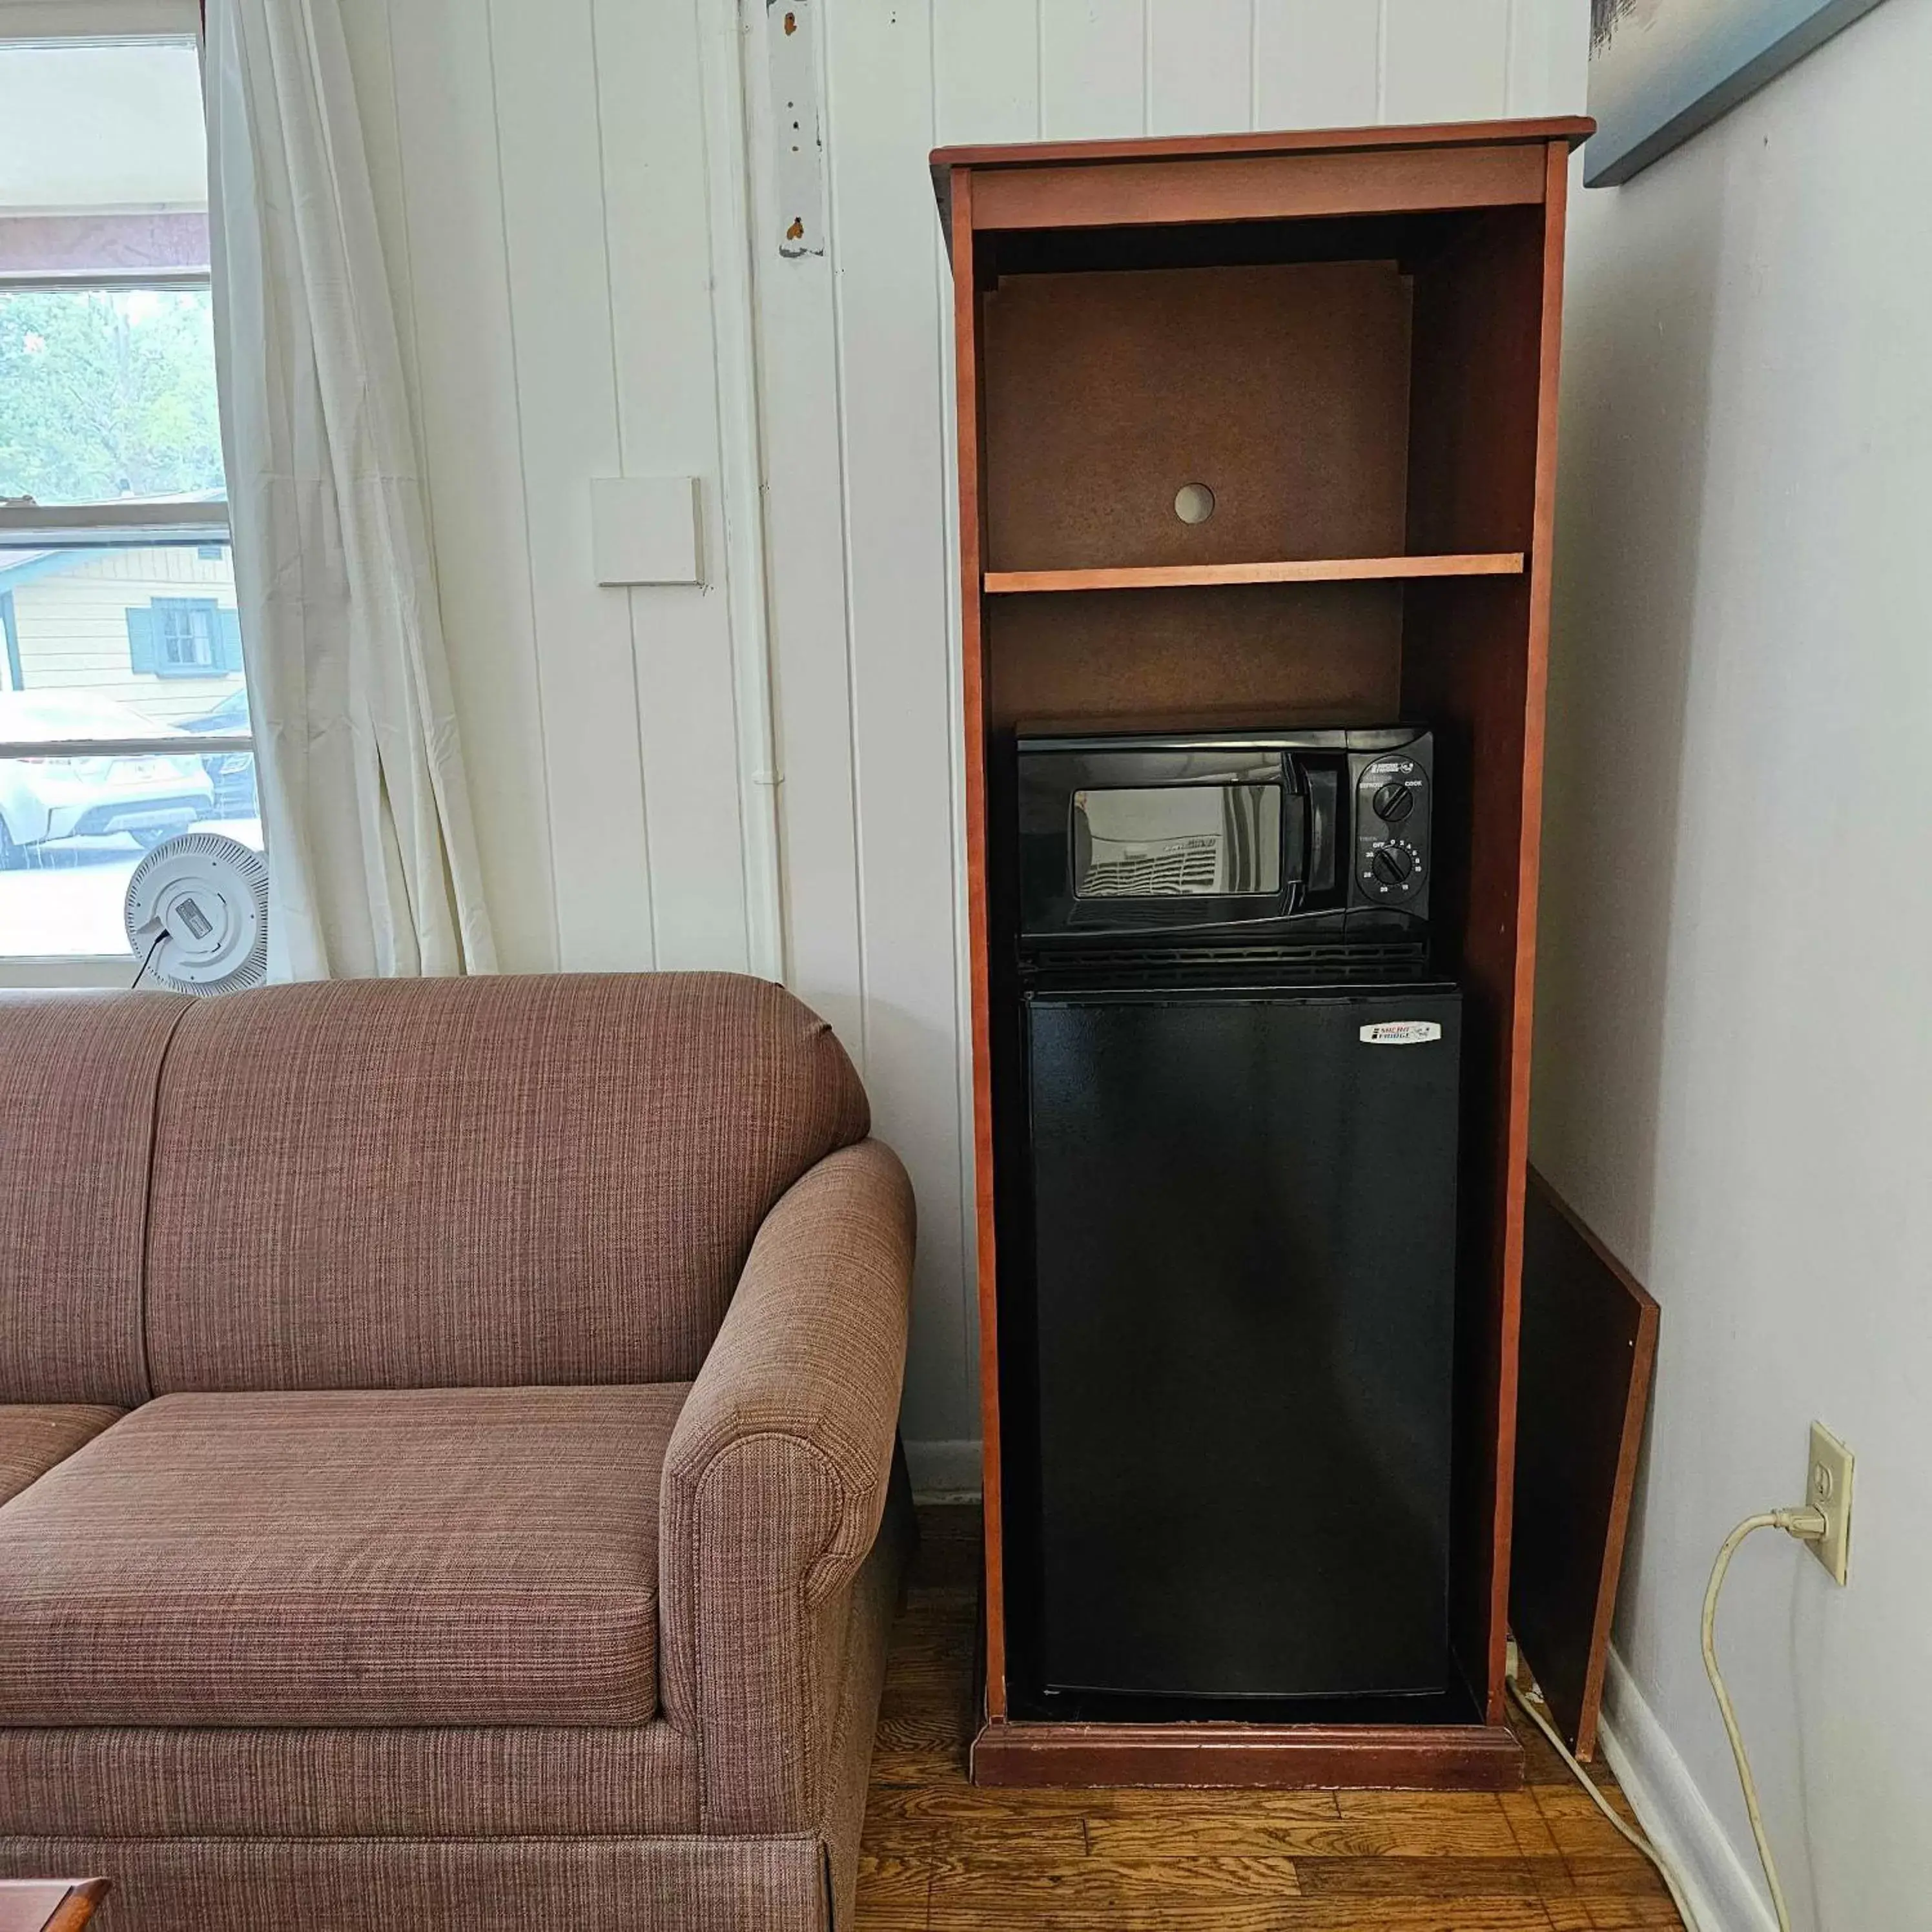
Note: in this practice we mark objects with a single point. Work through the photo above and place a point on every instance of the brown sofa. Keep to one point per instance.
(448, 1432)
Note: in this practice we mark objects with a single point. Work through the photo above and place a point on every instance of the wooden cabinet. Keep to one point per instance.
(1342, 346)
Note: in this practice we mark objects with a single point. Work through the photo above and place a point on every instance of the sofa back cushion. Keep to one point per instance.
(463, 1182)
(77, 1078)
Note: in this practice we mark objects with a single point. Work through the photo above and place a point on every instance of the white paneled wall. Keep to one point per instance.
(856, 352)
(578, 206)
(545, 185)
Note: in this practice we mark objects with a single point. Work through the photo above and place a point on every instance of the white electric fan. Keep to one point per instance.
(197, 915)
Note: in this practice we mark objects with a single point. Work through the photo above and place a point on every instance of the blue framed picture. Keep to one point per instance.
(1660, 69)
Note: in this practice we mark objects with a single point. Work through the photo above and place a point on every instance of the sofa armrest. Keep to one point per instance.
(774, 1484)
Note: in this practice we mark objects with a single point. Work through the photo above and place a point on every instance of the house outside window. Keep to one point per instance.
(124, 709)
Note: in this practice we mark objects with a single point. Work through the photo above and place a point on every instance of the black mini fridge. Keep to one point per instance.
(1243, 1235)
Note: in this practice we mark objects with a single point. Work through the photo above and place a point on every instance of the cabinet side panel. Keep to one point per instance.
(1483, 456)
(1473, 417)
(965, 324)
(1556, 181)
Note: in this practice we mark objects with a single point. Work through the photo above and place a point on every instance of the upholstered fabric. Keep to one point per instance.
(77, 1076)
(34, 1436)
(475, 1884)
(462, 1182)
(415, 1557)
(878, 1596)
(506, 1547)
(112, 1800)
(500, 1781)
(774, 1484)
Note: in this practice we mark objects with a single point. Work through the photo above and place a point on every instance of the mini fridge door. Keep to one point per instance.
(1243, 1259)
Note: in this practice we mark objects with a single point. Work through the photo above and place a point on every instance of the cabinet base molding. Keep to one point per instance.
(1285, 1757)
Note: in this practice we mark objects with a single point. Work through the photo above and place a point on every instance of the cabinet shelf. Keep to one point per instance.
(1306, 570)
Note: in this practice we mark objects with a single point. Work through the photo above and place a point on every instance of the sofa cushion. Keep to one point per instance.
(34, 1436)
(463, 1556)
(77, 1078)
(464, 1183)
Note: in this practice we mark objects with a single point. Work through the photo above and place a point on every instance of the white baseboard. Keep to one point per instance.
(1720, 1888)
(944, 1472)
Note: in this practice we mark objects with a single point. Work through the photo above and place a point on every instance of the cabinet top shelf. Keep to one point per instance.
(1308, 570)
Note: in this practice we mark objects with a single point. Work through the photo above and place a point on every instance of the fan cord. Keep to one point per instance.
(148, 959)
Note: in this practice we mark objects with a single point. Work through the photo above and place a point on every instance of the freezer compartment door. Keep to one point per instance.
(1243, 1249)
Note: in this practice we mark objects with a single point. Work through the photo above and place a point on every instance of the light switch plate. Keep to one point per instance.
(647, 529)
(1827, 1489)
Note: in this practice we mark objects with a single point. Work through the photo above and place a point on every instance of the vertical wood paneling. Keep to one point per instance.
(804, 541)
(741, 478)
(1093, 69)
(1446, 62)
(1200, 71)
(554, 216)
(884, 239)
(1318, 62)
(649, 118)
(461, 357)
(984, 80)
(548, 184)
(1549, 57)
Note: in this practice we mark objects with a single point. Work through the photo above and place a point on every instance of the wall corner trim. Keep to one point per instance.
(1672, 1809)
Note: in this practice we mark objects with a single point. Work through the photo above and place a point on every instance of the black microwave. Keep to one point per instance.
(1223, 837)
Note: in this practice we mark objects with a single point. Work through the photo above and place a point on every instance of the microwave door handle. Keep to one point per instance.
(1323, 784)
(1293, 848)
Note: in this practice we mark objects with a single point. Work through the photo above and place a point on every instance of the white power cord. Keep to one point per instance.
(1808, 1525)
(1528, 1704)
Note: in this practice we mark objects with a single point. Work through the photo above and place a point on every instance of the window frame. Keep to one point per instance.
(187, 523)
(26, 23)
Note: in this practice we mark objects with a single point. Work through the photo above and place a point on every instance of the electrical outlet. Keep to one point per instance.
(1827, 1489)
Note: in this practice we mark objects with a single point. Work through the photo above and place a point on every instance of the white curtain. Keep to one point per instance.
(371, 850)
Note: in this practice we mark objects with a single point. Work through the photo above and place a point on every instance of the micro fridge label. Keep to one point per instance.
(1402, 1033)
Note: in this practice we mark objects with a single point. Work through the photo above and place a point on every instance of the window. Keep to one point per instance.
(183, 636)
(124, 711)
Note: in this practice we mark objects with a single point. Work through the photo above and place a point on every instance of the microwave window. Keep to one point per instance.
(1177, 842)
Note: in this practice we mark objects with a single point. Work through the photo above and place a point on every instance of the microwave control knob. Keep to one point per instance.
(1394, 802)
(1392, 865)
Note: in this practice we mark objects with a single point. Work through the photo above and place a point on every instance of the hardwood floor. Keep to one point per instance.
(940, 1855)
